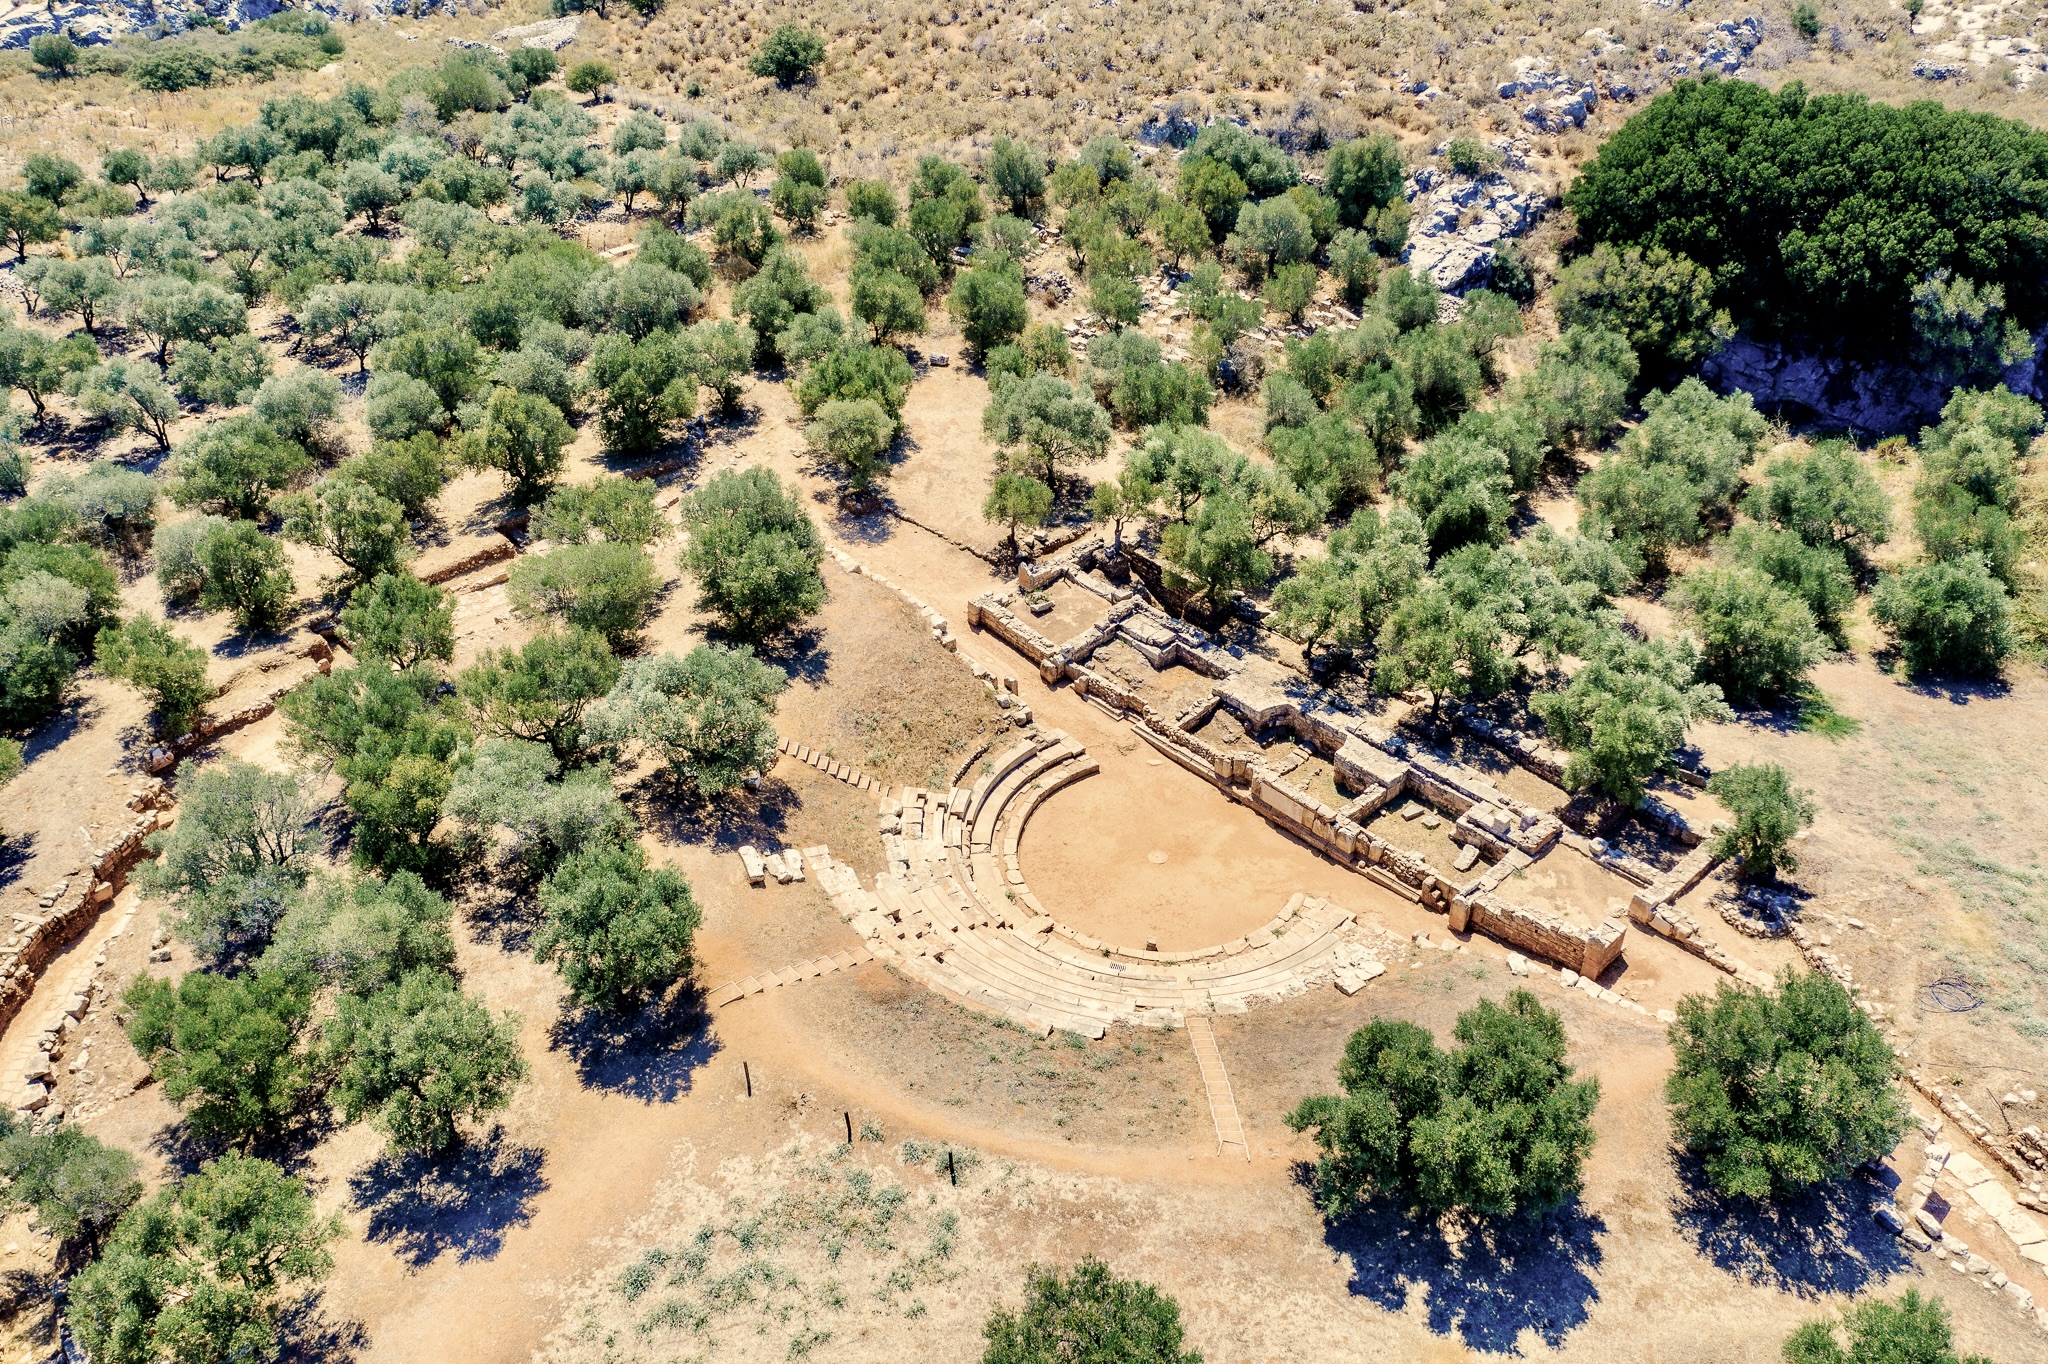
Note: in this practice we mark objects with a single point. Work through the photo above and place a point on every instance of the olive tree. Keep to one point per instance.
(754, 552)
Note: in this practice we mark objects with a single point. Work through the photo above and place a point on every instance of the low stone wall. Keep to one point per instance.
(463, 556)
(313, 656)
(73, 903)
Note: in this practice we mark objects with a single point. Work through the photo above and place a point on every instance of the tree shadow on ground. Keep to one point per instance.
(463, 1204)
(803, 654)
(1487, 1282)
(1822, 1243)
(307, 1335)
(759, 815)
(652, 1054)
(16, 852)
(503, 907)
(184, 1152)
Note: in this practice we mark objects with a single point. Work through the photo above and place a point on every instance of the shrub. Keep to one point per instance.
(616, 509)
(616, 930)
(588, 77)
(1778, 1090)
(606, 587)
(539, 691)
(1496, 1126)
(754, 552)
(172, 673)
(707, 714)
(421, 1057)
(243, 571)
(1913, 1330)
(54, 53)
(1947, 618)
(871, 201)
(789, 55)
(1088, 1317)
(853, 436)
(179, 570)
(225, 1049)
(1663, 304)
(204, 1269)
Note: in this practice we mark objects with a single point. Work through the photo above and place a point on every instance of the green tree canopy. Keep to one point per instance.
(754, 552)
(539, 691)
(398, 618)
(1496, 1126)
(1624, 714)
(1087, 1317)
(1778, 1090)
(1911, 1330)
(617, 930)
(225, 1049)
(1846, 205)
(204, 1269)
(420, 1058)
(1769, 812)
(708, 714)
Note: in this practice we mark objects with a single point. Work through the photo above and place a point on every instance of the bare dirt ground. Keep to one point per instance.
(1145, 851)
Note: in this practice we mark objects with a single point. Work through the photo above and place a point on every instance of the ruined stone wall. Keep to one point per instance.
(68, 907)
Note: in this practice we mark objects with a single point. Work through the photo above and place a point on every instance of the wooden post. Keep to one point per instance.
(952, 1173)
(748, 1072)
(849, 1127)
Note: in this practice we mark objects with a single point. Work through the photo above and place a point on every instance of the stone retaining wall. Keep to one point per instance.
(312, 649)
(70, 906)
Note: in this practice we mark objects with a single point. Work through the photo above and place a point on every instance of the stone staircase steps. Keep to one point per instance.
(1216, 1081)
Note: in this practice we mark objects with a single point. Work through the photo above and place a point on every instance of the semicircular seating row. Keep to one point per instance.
(954, 912)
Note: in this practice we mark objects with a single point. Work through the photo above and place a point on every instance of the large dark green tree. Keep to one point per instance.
(204, 1270)
(754, 552)
(1845, 205)
(1495, 1126)
(1779, 1090)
